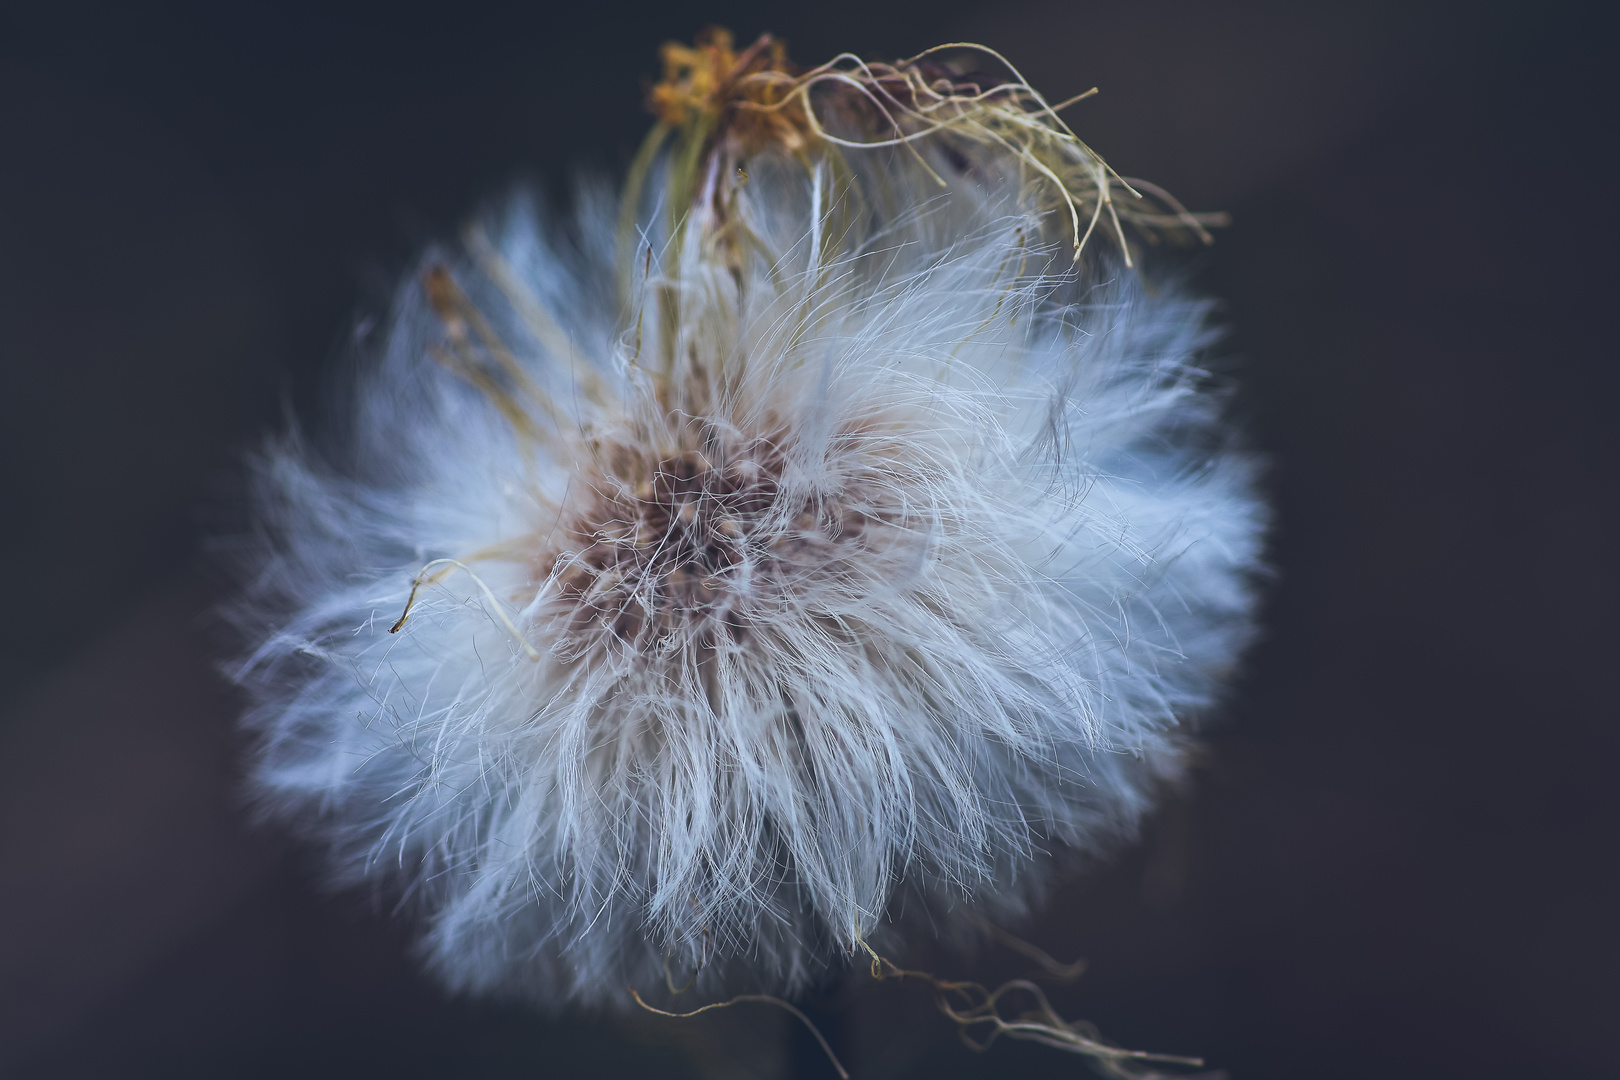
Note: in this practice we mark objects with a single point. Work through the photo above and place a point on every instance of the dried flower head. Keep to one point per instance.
(825, 548)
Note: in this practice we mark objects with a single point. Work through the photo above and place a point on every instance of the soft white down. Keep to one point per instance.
(889, 590)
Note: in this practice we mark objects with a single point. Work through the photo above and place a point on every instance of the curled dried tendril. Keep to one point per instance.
(715, 99)
(983, 1015)
(740, 999)
(424, 577)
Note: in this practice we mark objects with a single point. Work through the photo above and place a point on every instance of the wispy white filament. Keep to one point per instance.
(871, 574)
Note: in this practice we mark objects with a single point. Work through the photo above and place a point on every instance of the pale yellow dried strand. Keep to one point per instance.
(904, 71)
(1081, 96)
(1024, 85)
(423, 578)
(1022, 82)
(1049, 1030)
(906, 141)
(768, 999)
(1102, 175)
(1068, 196)
(1180, 213)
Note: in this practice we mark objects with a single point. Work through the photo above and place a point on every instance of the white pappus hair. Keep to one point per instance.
(762, 597)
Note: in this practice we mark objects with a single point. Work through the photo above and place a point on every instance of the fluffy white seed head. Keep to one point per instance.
(831, 568)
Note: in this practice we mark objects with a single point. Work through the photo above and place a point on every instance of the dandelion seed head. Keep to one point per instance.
(826, 558)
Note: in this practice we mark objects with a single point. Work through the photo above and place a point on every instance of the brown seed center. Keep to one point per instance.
(666, 544)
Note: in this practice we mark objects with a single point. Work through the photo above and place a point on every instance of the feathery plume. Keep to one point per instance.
(827, 545)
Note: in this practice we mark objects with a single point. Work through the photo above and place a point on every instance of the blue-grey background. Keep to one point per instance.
(1398, 858)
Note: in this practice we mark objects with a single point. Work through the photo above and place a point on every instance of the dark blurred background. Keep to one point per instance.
(1399, 858)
